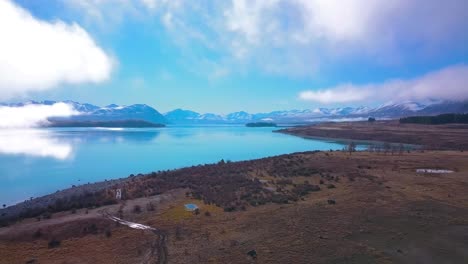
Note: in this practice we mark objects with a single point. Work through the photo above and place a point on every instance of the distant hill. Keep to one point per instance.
(437, 120)
(260, 124)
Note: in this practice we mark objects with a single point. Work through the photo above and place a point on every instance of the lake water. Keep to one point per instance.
(38, 162)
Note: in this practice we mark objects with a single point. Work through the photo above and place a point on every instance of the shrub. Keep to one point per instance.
(46, 215)
(37, 234)
(137, 209)
(150, 207)
(53, 243)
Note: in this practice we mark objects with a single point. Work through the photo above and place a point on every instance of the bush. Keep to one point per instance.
(150, 207)
(137, 209)
(54, 243)
(37, 234)
(46, 215)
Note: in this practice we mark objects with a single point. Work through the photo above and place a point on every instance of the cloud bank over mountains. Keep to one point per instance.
(37, 55)
(33, 115)
(447, 84)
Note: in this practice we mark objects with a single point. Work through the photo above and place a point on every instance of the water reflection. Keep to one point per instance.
(40, 161)
(34, 142)
(60, 144)
(108, 135)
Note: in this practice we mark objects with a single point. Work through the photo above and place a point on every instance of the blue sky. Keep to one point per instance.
(224, 56)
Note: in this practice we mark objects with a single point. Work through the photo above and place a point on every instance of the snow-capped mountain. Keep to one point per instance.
(447, 107)
(397, 109)
(116, 112)
(113, 112)
(242, 115)
(386, 111)
(181, 116)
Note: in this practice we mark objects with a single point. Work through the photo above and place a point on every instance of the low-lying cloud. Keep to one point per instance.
(447, 84)
(33, 115)
(37, 55)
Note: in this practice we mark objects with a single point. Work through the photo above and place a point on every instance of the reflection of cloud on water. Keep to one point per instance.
(110, 128)
(120, 135)
(31, 142)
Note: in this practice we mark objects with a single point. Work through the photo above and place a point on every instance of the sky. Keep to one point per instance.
(232, 55)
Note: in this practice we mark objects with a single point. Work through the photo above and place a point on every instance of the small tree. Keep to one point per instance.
(387, 147)
(371, 119)
(351, 147)
(401, 149)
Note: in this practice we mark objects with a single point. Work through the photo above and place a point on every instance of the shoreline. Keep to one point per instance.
(44, 201)
(433, 137)
(346, 140)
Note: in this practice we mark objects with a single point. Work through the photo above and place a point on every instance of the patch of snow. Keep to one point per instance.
(433, 171)
(130, 224)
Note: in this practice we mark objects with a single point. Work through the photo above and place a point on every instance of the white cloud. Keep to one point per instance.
(447, 84)
(32, 115)
(39, 144)
(151, 4)
(37, 55)
(368, 22)
(333, 30)
(341, 94)
(295, 37)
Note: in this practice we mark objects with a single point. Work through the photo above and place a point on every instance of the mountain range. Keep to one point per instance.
(113, 112)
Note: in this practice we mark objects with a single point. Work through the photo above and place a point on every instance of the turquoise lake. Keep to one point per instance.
(41, 161)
